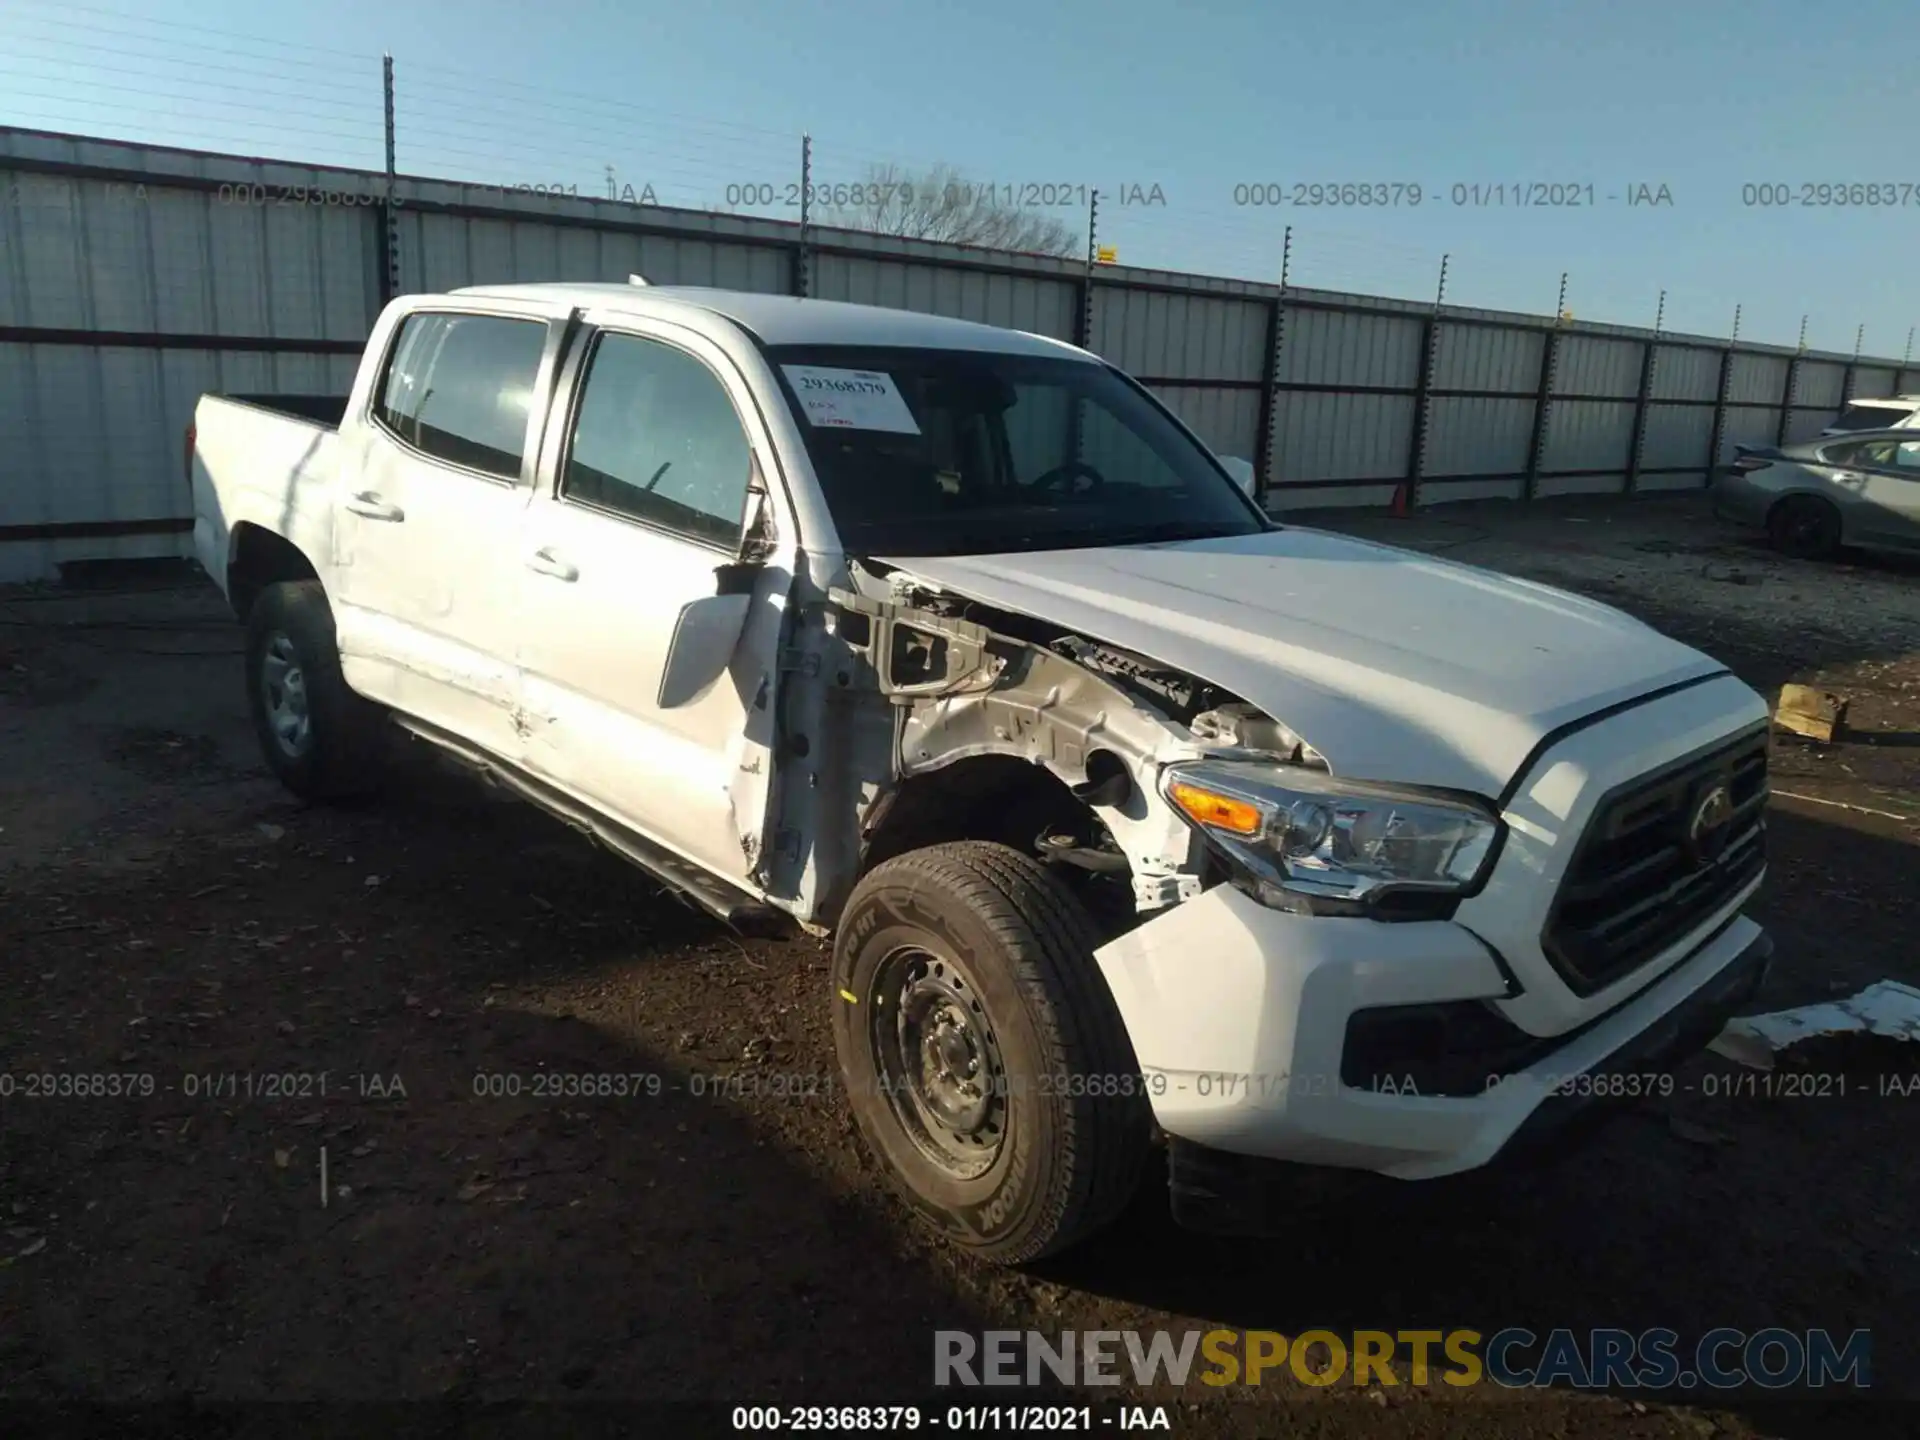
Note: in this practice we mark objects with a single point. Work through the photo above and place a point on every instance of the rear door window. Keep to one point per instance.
(1858, 454)
(460, 388)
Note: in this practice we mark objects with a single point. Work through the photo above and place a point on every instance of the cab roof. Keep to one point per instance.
(786, 319)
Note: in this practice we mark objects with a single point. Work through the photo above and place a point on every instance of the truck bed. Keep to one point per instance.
(325, 410)
(267, 461)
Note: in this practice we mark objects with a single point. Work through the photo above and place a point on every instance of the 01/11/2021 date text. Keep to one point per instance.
(1469, 195)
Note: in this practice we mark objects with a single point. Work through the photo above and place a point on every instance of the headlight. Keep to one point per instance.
(1314, 842)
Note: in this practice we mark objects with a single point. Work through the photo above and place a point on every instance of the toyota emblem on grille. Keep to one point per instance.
(1707, 831)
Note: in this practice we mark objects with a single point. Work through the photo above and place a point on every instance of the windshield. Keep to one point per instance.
(1872, 417)
(962, 452)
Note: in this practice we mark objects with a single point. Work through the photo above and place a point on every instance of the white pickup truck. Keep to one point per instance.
(1133, 815)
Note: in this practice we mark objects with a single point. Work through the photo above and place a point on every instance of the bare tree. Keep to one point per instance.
(943, 204)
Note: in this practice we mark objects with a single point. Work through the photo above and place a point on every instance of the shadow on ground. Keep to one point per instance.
(493, 1228)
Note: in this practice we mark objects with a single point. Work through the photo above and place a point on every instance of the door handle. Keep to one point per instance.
(545, 562)
(369, 504)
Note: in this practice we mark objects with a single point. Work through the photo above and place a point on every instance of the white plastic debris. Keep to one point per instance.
(1885, 1008)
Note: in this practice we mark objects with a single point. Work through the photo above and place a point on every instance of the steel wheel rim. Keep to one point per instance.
(938, 1061)
(283, 694)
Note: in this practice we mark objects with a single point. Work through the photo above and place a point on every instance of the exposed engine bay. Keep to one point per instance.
(971, 680)
(1212, 714)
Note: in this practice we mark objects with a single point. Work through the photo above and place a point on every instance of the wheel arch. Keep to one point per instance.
(1816, 495)
(258, 557)
(1001, 798)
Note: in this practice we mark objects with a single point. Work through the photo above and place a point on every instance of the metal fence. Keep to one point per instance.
(133, 278)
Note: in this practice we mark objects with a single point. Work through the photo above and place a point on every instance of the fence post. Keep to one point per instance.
(1792, 386)
(1850, 376)
(1270, 377)
(1543, 394)
(802, 268)
(1649, 357)
(1717, 436)
(390, 209)
(1422, 399)
(1083, 322)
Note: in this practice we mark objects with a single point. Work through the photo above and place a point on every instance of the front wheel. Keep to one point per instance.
(985, 1061)
(319, 738)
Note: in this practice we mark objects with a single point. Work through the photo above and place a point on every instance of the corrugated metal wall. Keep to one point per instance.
(445, 252)
(1480, 408)
(1343, 405)
(134, 278)
(1019, 302)
(114, 296)
(1590, 423)
(1204, 357)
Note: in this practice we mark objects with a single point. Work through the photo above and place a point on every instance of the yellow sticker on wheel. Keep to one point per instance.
(849, 997)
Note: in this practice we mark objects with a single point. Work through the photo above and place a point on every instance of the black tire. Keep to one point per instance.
(1805, 527)
(1007, 949)
(290, 638)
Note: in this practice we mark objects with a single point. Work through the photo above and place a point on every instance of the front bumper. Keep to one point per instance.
(1680, 1033)
(1238, 1016)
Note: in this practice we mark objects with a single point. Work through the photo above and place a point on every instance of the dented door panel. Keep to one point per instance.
(605, 579)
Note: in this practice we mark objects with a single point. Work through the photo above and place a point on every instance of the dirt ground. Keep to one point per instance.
(717, 1233)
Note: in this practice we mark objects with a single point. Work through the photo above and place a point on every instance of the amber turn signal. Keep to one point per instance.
(1220, 812)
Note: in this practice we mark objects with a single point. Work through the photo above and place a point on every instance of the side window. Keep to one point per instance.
(1853, 453)
(1906, 456)
(459, 387)
(655, 437)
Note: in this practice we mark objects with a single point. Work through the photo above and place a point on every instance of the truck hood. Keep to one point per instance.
(1393, 665)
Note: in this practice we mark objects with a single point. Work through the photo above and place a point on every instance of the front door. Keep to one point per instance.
(639, 515)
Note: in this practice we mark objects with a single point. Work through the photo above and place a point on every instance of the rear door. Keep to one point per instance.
(645, 486)
(430, 520)
(1890, 492)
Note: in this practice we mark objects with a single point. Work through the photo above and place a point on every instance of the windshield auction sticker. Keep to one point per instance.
(851, 399)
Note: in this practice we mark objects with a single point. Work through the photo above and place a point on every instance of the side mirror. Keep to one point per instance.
(703, 639)
(1241, 472)
(708, 629)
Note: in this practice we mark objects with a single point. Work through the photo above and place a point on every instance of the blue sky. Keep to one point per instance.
(1197, 99)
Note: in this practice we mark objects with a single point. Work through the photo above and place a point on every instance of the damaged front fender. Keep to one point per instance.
(964, 690)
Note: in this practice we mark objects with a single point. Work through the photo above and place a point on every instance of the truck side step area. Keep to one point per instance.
(736, 907)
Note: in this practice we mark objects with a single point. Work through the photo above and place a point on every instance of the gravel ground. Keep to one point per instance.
(717, 1233)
